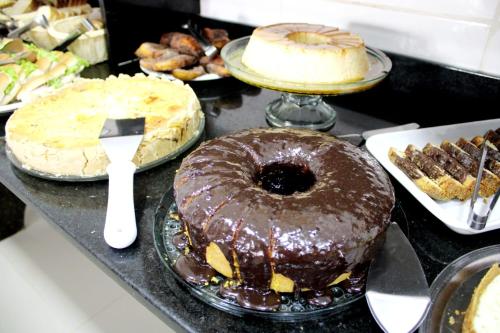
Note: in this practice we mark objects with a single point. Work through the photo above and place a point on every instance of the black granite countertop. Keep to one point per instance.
(415, 91)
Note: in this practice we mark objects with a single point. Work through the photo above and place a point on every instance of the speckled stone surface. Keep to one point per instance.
(78, 211)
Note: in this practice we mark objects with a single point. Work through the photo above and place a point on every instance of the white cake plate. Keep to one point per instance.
(301, 104)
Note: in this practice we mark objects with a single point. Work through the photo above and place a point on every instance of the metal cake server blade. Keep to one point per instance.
(366, 134)
(405, 127)
(396, 290)
(120, 138)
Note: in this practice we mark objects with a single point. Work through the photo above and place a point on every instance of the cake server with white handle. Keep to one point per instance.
(396, 289)
(120, 139)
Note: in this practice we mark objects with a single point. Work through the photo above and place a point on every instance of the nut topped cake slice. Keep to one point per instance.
(448, 171)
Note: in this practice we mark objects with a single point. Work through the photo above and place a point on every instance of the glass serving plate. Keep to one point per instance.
(380, 66)
(292, 309)
(173, 155)
(301, 104)
(452, 290)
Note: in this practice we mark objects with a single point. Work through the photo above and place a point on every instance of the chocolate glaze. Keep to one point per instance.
(493, 137)
(424, 162)
(461, 156)
(193, 271)
(311, 236)
(257, 299)
(408, 167)
(319, 298)
(491, 164)
(180, 241)
(446, 162)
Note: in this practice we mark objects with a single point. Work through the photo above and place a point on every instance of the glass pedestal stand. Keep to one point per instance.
(301, 104)
(302, 111)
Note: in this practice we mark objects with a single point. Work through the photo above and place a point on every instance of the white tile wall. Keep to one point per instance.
(460, 33)
(491, 57)
(478, 9)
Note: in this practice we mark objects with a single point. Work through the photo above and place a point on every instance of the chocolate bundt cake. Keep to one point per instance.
(280, 210)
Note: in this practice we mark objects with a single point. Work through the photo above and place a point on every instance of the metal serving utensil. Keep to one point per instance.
(477, 221)
(120, 139)
(9, 22)
(366, 134)
(38, 20)
(396, 290)
(64, 45)
(209, 50)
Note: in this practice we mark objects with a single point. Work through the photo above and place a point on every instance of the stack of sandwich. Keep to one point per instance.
(29, 68)
(18, 7)
(65, 19)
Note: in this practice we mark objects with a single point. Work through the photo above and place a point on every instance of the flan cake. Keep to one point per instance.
(306, 53)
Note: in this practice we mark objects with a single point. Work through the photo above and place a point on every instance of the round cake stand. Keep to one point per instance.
(301, 104)
(303, 111)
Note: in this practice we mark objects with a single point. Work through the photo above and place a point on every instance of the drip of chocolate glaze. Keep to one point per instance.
(191, 270)
(319, 298)
(180, 241)
(357, 281)
(250, 298)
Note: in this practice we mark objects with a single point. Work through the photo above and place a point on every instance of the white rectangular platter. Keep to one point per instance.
(452, 213)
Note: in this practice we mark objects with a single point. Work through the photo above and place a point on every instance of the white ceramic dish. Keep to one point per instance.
(452, 213)
(168, 76)
(232, 53)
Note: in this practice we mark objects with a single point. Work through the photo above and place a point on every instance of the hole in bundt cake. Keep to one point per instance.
(285, 178)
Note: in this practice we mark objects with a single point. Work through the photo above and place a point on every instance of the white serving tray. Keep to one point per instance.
(452, 213)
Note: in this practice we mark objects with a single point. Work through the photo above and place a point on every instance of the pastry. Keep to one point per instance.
(181, 55)
(216, 37)
(188, 74)
(168, 62)
(185, 44)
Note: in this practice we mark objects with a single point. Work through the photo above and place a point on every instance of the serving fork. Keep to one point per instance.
(209, 50)
(478, 220)
(39, 20)
(88, 26)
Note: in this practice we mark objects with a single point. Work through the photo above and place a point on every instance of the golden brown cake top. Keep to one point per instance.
(310, 35)
(74, 116)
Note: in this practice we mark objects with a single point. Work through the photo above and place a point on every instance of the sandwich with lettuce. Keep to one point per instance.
(45, 68)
